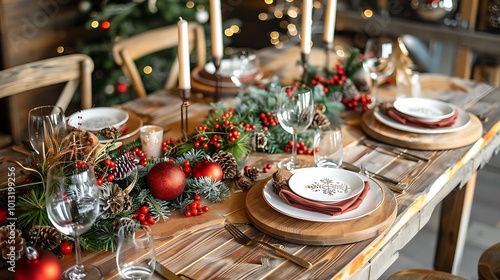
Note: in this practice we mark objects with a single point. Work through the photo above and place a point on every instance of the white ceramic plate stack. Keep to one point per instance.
(427, 110)
(351, 182)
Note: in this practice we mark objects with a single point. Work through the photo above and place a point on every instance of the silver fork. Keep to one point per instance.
(241, 238)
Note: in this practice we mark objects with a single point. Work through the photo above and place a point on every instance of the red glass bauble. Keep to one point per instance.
(166, 180)
(121, 87)
(38, 265)
(205, 168)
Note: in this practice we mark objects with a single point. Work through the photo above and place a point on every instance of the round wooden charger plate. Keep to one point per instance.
(444, 141)
(205, 82)
(289, 229)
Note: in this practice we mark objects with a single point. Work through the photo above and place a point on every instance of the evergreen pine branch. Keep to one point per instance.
(158, 208)
(214, 191)
(32, 209)
(100, 237)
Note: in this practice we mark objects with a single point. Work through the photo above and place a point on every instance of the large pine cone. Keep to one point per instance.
(44, 237)
(112, 201)
(228, 164)
(320, 120)
(349, 89)
(6, 242)
(124, 166)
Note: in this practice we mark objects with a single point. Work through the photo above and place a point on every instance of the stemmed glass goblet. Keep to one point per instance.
(72, 200)
(245, 66)
(135, 255)
(379, 62)
(295, 111)
(45, 124)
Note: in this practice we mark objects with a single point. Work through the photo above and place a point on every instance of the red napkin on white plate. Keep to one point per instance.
(332, 209)
(416, 122)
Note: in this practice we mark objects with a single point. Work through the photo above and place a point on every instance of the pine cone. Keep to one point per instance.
(260, 140)
(112, 201)
(252, 173)
(44, 237)
(349, 89)
(320, 120)
(228, 164)
(124, 166)
(109, 132)
(6, 237)
(244, 182)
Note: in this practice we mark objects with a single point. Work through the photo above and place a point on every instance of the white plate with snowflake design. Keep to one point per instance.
(326, 185)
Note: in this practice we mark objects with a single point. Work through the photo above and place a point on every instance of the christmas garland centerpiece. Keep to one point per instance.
(204, 165)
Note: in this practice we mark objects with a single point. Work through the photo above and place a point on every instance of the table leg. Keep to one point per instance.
(454, 221)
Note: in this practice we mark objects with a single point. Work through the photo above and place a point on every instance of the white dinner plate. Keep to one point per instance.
(427, 109)
(326, 185)
(462, 121)
(95, 119)
(371, 202)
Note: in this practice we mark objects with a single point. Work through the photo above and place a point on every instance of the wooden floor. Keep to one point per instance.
(483, 231)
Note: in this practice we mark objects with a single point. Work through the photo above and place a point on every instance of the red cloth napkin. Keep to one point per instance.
(332, 209)
(411, 121)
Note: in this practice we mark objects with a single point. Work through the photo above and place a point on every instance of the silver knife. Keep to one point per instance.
(165, 272)
(394, 186)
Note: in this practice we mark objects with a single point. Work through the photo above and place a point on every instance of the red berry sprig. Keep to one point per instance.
(66, 247)
(143, 216)
(195, 208)
(302, 149)
(362, 102)
(268, 119)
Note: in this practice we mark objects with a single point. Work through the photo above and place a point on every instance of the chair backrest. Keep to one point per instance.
(73, 69)
(126, 51)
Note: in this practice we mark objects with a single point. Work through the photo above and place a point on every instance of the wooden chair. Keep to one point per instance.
(126, 51)
(74, 70)
(488, 267)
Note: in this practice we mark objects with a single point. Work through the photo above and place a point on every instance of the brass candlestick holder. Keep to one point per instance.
(218, 78)
(304, 58)
(185, 95)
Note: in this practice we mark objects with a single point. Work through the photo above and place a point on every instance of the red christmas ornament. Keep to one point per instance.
(205, 168)
(105, 25)
(166, 180)
(121, 87)
(38, 265)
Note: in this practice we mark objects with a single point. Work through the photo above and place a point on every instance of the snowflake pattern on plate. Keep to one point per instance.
(329, 187)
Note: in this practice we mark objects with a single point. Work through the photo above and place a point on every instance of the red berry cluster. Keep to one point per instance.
(247, 126)
(337, 79)
(141, 155)
(302, 149)
(168, 145)
(268, 119)
(195, 208)
(143, 216)
(110, 164)
(186, 168)
(265, 169)
(362, 101)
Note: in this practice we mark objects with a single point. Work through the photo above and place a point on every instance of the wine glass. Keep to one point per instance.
(135, 256)
(72, 200)
(379, 62)
(245, 67)
(45, 124)
(328, 147)
(295, 113)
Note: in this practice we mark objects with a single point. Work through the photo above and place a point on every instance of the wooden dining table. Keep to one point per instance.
(200, 247)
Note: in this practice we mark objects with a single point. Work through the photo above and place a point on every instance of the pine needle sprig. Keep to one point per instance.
(193, 155)
(158, 208)
(214, 191)
(100, 237)
(32, 209)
